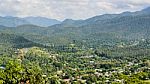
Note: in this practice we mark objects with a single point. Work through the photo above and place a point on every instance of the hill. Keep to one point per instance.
(127, 25)
(15, 41)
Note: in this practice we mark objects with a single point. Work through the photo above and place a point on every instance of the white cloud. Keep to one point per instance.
(75, 9)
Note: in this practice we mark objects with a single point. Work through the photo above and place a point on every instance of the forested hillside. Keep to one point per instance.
(13, 40)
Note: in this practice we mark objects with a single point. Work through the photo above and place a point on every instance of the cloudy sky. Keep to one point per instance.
(73, 9)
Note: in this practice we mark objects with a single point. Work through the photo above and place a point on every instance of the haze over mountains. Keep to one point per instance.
(10, 21)
(98, 29)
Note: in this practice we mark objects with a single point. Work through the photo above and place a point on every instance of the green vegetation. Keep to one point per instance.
(70, 64)
(107, 49)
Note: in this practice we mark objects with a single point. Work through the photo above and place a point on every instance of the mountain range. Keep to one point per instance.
(10, 21)
(98, 30)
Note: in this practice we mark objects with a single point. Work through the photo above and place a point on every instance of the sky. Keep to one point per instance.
(68, 9)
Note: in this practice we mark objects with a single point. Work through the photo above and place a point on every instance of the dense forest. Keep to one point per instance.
(105, 49)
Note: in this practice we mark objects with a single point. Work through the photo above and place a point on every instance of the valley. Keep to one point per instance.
(105, 49)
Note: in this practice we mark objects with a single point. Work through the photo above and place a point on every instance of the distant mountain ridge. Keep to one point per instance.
(105, 17)
(41, 21)
(10, 21)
